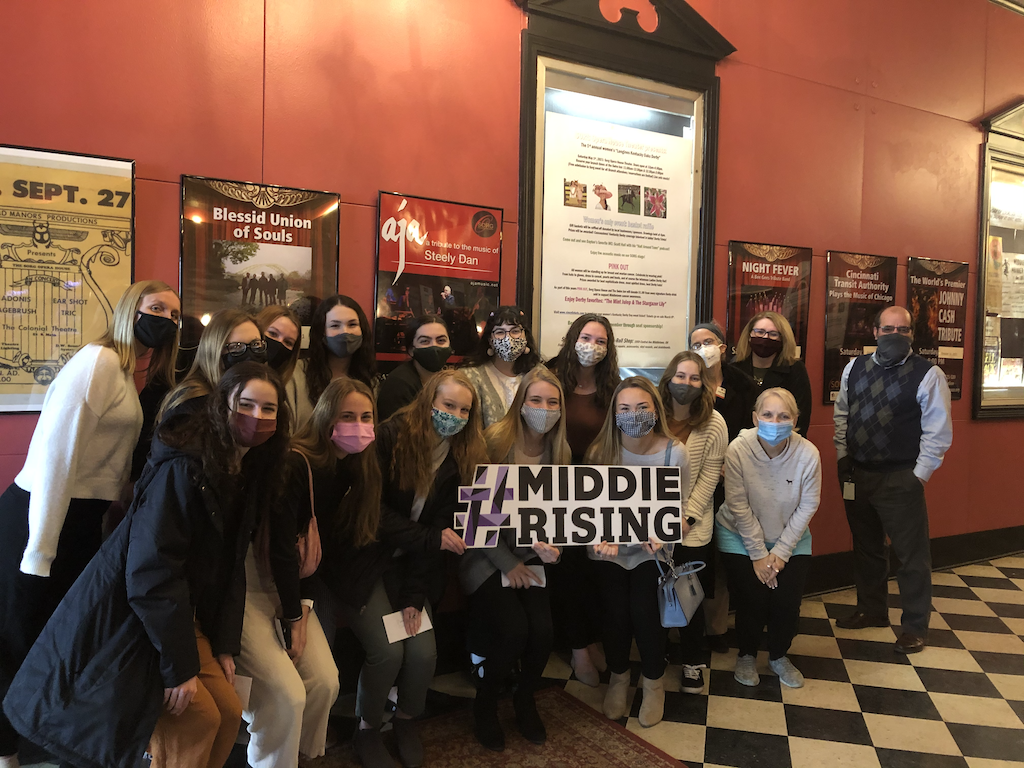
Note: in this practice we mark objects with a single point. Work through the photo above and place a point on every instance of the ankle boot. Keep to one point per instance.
(528, 718)
(370, 749)
(485, 722)
(652, 709)
(615, 705)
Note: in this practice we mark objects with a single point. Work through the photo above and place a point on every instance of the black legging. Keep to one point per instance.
(757, 605)
(691, 637)
(630, 602)
(574, 601)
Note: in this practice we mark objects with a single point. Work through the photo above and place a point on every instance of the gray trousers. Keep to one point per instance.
(891, 504)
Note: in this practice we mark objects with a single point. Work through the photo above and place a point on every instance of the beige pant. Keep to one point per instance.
(202, 736)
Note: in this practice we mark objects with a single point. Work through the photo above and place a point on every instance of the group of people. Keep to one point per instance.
(269, 502)
(263, 290)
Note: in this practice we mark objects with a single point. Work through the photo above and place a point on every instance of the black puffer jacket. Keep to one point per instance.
(91, 690)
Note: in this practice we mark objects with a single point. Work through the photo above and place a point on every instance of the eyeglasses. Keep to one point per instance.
(760, 333)
(236, 348)
(903, 330)
(500, 333)
(706, 343)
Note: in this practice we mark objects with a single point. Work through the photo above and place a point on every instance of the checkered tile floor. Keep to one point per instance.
(960, 702)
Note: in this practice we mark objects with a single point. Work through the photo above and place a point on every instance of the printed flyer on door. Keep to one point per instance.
(858, 286)
(66, 231)
(937, 296)
(617, 235)
(435, 257)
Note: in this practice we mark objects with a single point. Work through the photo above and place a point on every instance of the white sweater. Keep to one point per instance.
(81, 447)
(706, 449)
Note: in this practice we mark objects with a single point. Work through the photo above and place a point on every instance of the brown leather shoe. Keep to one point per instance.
(908, 643)
(859, 620)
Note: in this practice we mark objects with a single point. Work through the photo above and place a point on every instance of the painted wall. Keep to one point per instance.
(848, 125)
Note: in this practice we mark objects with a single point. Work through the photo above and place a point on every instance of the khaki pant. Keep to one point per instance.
(202, 736)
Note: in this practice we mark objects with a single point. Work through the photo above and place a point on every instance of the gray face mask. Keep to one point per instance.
(636, 423)
(684, 394)
(540, 419)
(344, 344)
(892, 349)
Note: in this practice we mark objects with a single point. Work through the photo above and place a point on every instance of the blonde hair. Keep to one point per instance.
(208, 367)
(701, 408)
(788, 354)
(607, 446)
(788, 401)
(266, 318)
(120, 334)
(359, 514)
(411, 460)
(501, 436)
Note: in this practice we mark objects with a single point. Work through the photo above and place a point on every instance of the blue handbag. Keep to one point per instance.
(679, 592)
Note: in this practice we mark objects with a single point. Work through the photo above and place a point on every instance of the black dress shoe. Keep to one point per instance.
(908, 643)
(859, 620)
(528, 719)
(486, 725)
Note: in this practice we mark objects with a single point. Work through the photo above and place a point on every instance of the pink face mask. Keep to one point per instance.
(352, 437)
(250, 431)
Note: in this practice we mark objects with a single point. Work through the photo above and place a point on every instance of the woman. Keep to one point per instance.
(339, 345)
(142, 651)
(772, 489)
(766, 351)
(282, 332)
(635, 434)
(588, 369)
(685, 388)
(232, 337)
(505, 353)
(51, 516)
(516, 621)
(429, 346)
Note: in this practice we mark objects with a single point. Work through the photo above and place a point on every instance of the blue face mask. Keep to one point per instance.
(447, 424)
(772, 432)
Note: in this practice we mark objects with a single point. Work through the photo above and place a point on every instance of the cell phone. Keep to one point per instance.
(284, 633)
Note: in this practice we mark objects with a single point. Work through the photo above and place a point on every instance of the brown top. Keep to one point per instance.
(583, 420)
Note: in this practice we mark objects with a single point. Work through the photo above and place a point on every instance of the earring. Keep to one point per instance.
(526, 351)
(490, 351)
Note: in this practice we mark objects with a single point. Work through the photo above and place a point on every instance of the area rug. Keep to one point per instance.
(578, 737)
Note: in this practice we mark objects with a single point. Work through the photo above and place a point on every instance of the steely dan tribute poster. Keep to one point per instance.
(435, 257)
(937, 295)
(858, 286)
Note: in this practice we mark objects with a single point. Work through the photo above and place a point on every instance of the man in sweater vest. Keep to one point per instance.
(893, 427)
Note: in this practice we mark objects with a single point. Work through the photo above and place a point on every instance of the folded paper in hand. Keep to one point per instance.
(395, 627)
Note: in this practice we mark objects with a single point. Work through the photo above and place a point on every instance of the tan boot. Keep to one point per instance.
(615, 705)
(652, 709)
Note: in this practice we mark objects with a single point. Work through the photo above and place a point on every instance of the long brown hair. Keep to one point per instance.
(358, 517)
(266, 318)
(120, 333)
(567, 366)
(788, 354)
(607, 446)
(701, 408)
(502, 435)
(411, 460)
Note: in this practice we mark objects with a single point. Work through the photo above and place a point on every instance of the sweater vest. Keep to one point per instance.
(884, 427)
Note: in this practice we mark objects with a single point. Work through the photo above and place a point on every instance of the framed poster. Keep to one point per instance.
(858, 287)
(434, 257)
(937, 296)
(252, 245)
(66, 256)
(768, 278)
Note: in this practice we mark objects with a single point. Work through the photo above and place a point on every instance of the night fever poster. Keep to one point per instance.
(937, 300)
(66, 248)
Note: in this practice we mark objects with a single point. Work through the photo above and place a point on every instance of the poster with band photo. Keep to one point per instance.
(66, 256)
(434, 257)
(937, 300)
(858, 287)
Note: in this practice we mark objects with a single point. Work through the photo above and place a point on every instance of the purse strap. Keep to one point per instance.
(309, 472)
(668, 454)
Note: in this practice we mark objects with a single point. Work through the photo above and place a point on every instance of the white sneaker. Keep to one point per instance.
(788, 674)
(746, 671)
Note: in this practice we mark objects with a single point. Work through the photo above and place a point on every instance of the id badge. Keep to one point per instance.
(849, 492)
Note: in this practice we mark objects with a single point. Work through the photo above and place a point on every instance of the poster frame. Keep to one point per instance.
(32, 408)
(957, 265)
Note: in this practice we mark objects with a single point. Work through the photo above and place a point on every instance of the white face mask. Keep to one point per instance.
(590, 354)
(540, 419)
(712, 354)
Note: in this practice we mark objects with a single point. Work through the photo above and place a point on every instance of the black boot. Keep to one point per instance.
(527, 717)
(370, 749)
(485, 722)
(407, 737)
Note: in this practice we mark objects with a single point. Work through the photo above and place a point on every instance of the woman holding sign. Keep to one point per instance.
(772, 489)
(505, 584)
(635, 434)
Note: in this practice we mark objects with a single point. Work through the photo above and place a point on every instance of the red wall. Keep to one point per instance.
(847, 124)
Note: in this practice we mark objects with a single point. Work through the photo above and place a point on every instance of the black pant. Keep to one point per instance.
(27, 602)
(757, 605)
(518, 627)
(630, 602)
(691, 637)
(574, 601)
(891, 504)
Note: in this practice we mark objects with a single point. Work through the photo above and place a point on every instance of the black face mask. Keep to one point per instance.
(432, 358)
(765, 347)
(684, 394)
(344, 344)
(277, 354)
(892, 349)
(247, 356)
(154, 331)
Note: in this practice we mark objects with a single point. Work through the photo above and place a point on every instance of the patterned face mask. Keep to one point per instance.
(509, 349)
(540, 419)
(636, 423)
(447, 424)
(590, 354)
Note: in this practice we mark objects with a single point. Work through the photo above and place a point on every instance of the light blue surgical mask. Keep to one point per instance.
(447, 424)
(773, 432)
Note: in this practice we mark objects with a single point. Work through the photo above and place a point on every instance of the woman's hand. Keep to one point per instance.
(522, 577)
(178, 698)
(546, 552)
(412, 619)
(763, 569)
(299, 635)
(452, 542)
(652, 545)
(606, 549)
(776, 562)
(227, 663)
